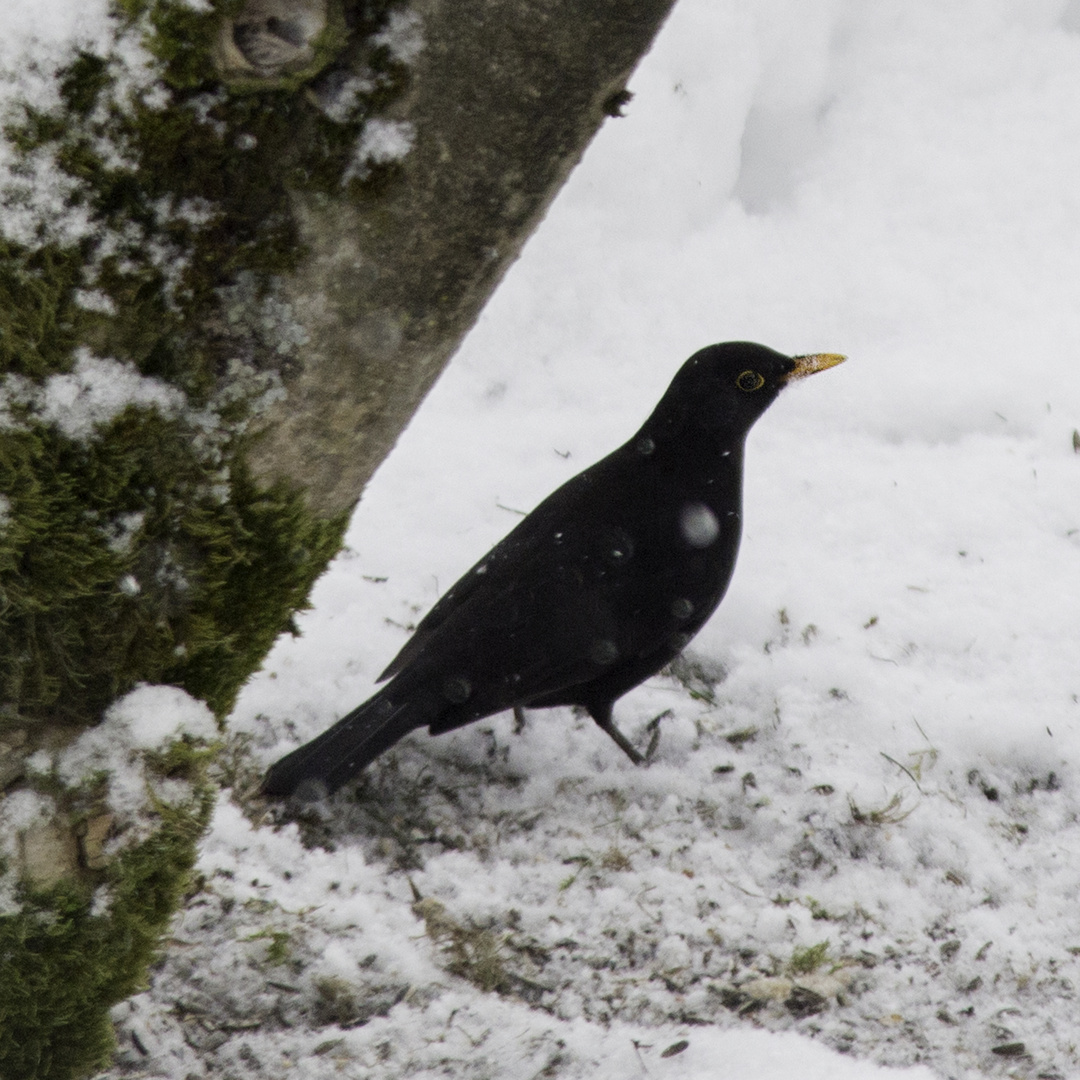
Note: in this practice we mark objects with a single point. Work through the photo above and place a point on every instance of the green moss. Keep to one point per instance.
(144, 550)
(179, 36)
(38, 319)
(185, 167)
(278, 949)
(207, 580)
(808, 960)
(62, 964)
(276, 551)
(221, 567)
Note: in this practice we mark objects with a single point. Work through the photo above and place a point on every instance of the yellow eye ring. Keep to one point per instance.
(749, 380)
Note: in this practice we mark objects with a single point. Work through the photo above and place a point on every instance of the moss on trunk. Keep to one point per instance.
(237, 245)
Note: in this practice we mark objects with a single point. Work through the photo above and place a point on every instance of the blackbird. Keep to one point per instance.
(598, 588)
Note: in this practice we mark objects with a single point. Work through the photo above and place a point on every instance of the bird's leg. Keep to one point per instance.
(519, 719)
(602, 715)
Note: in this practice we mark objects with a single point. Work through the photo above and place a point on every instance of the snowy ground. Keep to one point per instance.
(860, 833)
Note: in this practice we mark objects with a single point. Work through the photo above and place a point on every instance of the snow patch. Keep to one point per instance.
(381, 142)
(90, 396)
(402, 35)
(97, 391)
(149, 718)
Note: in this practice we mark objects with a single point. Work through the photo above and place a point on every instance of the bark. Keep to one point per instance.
(503, 99)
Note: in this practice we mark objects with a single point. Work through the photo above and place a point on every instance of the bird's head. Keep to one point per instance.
(722, 389)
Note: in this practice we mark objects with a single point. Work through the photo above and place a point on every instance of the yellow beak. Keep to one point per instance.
(809, 365)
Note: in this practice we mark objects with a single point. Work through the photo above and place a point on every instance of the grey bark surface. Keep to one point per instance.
(504, 98)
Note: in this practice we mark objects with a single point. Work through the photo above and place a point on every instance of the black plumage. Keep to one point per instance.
(601, 586)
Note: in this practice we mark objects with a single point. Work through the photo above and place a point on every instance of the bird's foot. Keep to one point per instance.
(519, 720)
(623, 743)
(653, 728)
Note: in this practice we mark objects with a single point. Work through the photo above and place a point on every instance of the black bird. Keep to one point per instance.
(597, 589)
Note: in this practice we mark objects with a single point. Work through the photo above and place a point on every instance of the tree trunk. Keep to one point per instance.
(237, 249)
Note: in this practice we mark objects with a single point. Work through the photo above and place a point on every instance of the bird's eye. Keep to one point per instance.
(749, 380)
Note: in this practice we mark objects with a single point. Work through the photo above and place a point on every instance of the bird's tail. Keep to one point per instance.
(321, 766)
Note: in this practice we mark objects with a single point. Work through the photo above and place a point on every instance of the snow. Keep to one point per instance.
(403, 36)
(123, 529)
(381, 142)
(148, 718)
(97, 391)
(152, 717)
(21, 810)
(90, 396)
(37, 28)
(875, 764)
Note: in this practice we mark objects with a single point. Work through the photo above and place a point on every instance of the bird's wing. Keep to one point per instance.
(446, 605)
(526, 554)
(590, 583)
